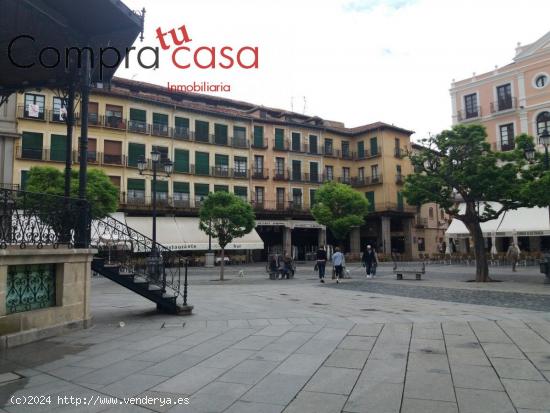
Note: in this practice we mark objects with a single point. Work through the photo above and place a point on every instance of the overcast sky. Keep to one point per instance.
(357, 61)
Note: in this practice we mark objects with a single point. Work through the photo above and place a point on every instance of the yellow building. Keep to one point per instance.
(273, 158)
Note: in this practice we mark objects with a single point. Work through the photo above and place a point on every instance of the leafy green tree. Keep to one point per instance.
(225, 217)
(339, 208)
(100, 192)
(458, 166)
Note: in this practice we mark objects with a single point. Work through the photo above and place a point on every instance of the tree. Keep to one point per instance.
(458, 166)
(339, 208)
(225, 217)
(100, 191)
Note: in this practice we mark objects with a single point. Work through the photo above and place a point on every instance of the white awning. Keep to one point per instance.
(184, 234)
(289, 223)
(523, 222)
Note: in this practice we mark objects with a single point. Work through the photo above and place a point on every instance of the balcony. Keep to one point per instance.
(464, 115)
(329, 151)
(346, 155)
(420, 222)
(200, 171)
(221, 171)
(113, 122)
(262, 145)
(205, 138)
(399, 152)
(280, 175)
(363, 181)
(24, 113)
(313, 178)
(283, 146)
(137, 126)
(160, 129)
(260, 174)
(345, 180)
(182, 133)
(112, 159)
(296, 176)
(504, 104)
(399, 179)
(239, 142)
(283, 207)
(239, 173)
(37, 154)
(163, 201)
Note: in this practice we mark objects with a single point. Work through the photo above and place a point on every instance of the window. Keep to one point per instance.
(24, 179)
(312, 197)
(58, 148)
(32, 145)
(113, 117)
(239, 137)
(202, 131)
(115, 180)
(220, 134)
(161, 190)
(398, 174)
(34, 106)
(470, 106)
(258, 165)
(160, 124)
(135, 151)
(259, 136)
(221, 165)
(504, 97)
(136, 191)
(112, 152)
(361, 150)
(296, 198)
(431, 213)
(59, 110)
(201, 192)
(345, 149)
(93, 115)
(296, 141)
(370, 197)
(397, 148)
(328, 147)
(259, 195)
(221, 188)
(329, 173)
(400, 203)
(313, 144)
(181, 194)
(181, 127)
(181, 161)
(361, 174)
(543, 122)
(345, 175)
(280, 167)
(202, 163)
(541, 81)
(314, 172)
(279, 139)
(374, 146)
(280, 198)
(374, 172)
(240, 167)
(296, 170)
(241, 192)
(92, 150)
(138, 121)
(421, 244)
(163, 150)
(507, 137)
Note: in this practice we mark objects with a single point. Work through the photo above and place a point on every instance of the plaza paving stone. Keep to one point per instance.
(256, 345)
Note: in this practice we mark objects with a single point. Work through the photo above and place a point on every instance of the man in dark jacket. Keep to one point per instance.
(370, 261)
(321, 263)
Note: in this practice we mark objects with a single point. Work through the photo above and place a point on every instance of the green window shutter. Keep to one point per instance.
(312, 143)
(162, 186)
(373, 146)
(202, 163)
(181, 187)
(136, 184)
(58, 148)
(296, 170)
(202, 189)
(220, 134)
(202, 130)
(181, 122)
(259, 136)
(222, 160)
(279, 138)
(239, 132)
(24, 179)
(312, 197)
(138, 115)
(135, 151)
(32, 140)
(160, 119)
(361, 149)
(400, 201)
(296, 141)
(296, 192)
(240, 190)
(313, 168)
(221, 188)
(370, 198)
(181, 161)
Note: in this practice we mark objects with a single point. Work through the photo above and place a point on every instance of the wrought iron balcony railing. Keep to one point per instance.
(504, 104)
(260, 173)
(465, 114)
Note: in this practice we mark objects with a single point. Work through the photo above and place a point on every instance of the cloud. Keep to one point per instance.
(368, 5)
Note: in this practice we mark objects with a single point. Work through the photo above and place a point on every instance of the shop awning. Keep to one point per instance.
(523, 222)
(184, 234)
(289, 223)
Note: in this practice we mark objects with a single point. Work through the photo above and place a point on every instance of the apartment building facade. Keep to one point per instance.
(274, 159)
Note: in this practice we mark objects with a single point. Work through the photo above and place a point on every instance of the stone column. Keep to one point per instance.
(287, 240)
(355, 240)
(322, 237)
(407, 234)
(386, 235)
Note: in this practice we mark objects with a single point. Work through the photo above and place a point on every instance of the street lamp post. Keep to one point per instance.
(168, 169)
(544, 139)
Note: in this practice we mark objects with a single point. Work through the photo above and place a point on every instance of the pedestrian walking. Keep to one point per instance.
(513, 255)
(370, 261)
(288, 267)
(321, 263)
(338, 261)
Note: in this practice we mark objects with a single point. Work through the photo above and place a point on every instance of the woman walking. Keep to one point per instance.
(370, 261)
(338, 261)
(321, 263)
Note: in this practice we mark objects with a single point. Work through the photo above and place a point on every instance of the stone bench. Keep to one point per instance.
(402, 268)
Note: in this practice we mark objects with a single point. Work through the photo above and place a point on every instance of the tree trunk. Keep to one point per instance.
(222, 264)
(482, 266)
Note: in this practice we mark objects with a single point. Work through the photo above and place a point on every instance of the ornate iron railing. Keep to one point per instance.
(120, 245)
(39, 220)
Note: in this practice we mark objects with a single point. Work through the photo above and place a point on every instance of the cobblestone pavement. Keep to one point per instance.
(295, 346)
